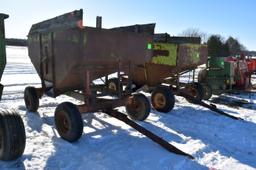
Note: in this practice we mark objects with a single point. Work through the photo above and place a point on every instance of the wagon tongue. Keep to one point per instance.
(69, 20)
(122, 117)
(212, 107)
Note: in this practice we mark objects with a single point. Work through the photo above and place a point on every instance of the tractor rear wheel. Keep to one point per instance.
(163, 99)
(68, 121)
(31, 99)
(138, 107)
(12, 135)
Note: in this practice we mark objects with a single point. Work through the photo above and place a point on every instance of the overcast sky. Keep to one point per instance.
(225, 17)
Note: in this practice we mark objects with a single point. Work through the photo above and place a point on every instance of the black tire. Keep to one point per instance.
(31, 99)
(68, 121)
(196, 90)
(163, 99)
(138, 107)
(112, 86)
(12, 136)
(207, 92)
(1, 90)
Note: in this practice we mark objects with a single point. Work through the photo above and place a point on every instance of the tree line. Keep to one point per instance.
(217, 45)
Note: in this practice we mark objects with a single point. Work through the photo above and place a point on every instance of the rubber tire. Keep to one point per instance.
(71, 114)
(31, 99)
(169, 99)
(12, 135)
(207, 92)
(143, 103)
(115, 82)
(200, 91)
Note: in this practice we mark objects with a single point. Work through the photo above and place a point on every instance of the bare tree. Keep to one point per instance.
(195, 32)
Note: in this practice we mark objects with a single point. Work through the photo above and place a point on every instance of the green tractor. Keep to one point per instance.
(12, 131)
(225, 74)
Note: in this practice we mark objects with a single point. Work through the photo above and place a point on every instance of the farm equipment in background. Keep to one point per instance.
(12, 131)
(69, 57)
(172, 58)
(228, 74)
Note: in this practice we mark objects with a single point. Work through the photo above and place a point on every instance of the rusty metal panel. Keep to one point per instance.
(191, 55)
(98, 50)
(116, 45)
(152, 74)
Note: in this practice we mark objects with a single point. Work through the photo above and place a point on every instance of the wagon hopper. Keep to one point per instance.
(68, 57)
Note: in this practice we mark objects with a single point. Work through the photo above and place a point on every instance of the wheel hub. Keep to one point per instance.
(192, 91)
(159, 100)
(136, 106)
(112, 86)
(63, 123)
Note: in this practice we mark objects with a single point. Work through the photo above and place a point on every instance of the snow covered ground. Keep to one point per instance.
(216, 142)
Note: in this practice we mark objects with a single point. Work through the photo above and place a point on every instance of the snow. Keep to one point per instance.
(216, 142)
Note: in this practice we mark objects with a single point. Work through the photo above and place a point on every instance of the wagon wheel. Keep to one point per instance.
(12, 135)
(196, 90)
(112, 86)
(163, 99)
(31, 99)
(138, 107)
(207, 92)
(68, 121)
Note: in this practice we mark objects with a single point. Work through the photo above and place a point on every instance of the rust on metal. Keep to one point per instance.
(60, 51)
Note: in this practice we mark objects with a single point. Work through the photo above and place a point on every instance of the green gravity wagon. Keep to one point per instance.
(12, 132)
